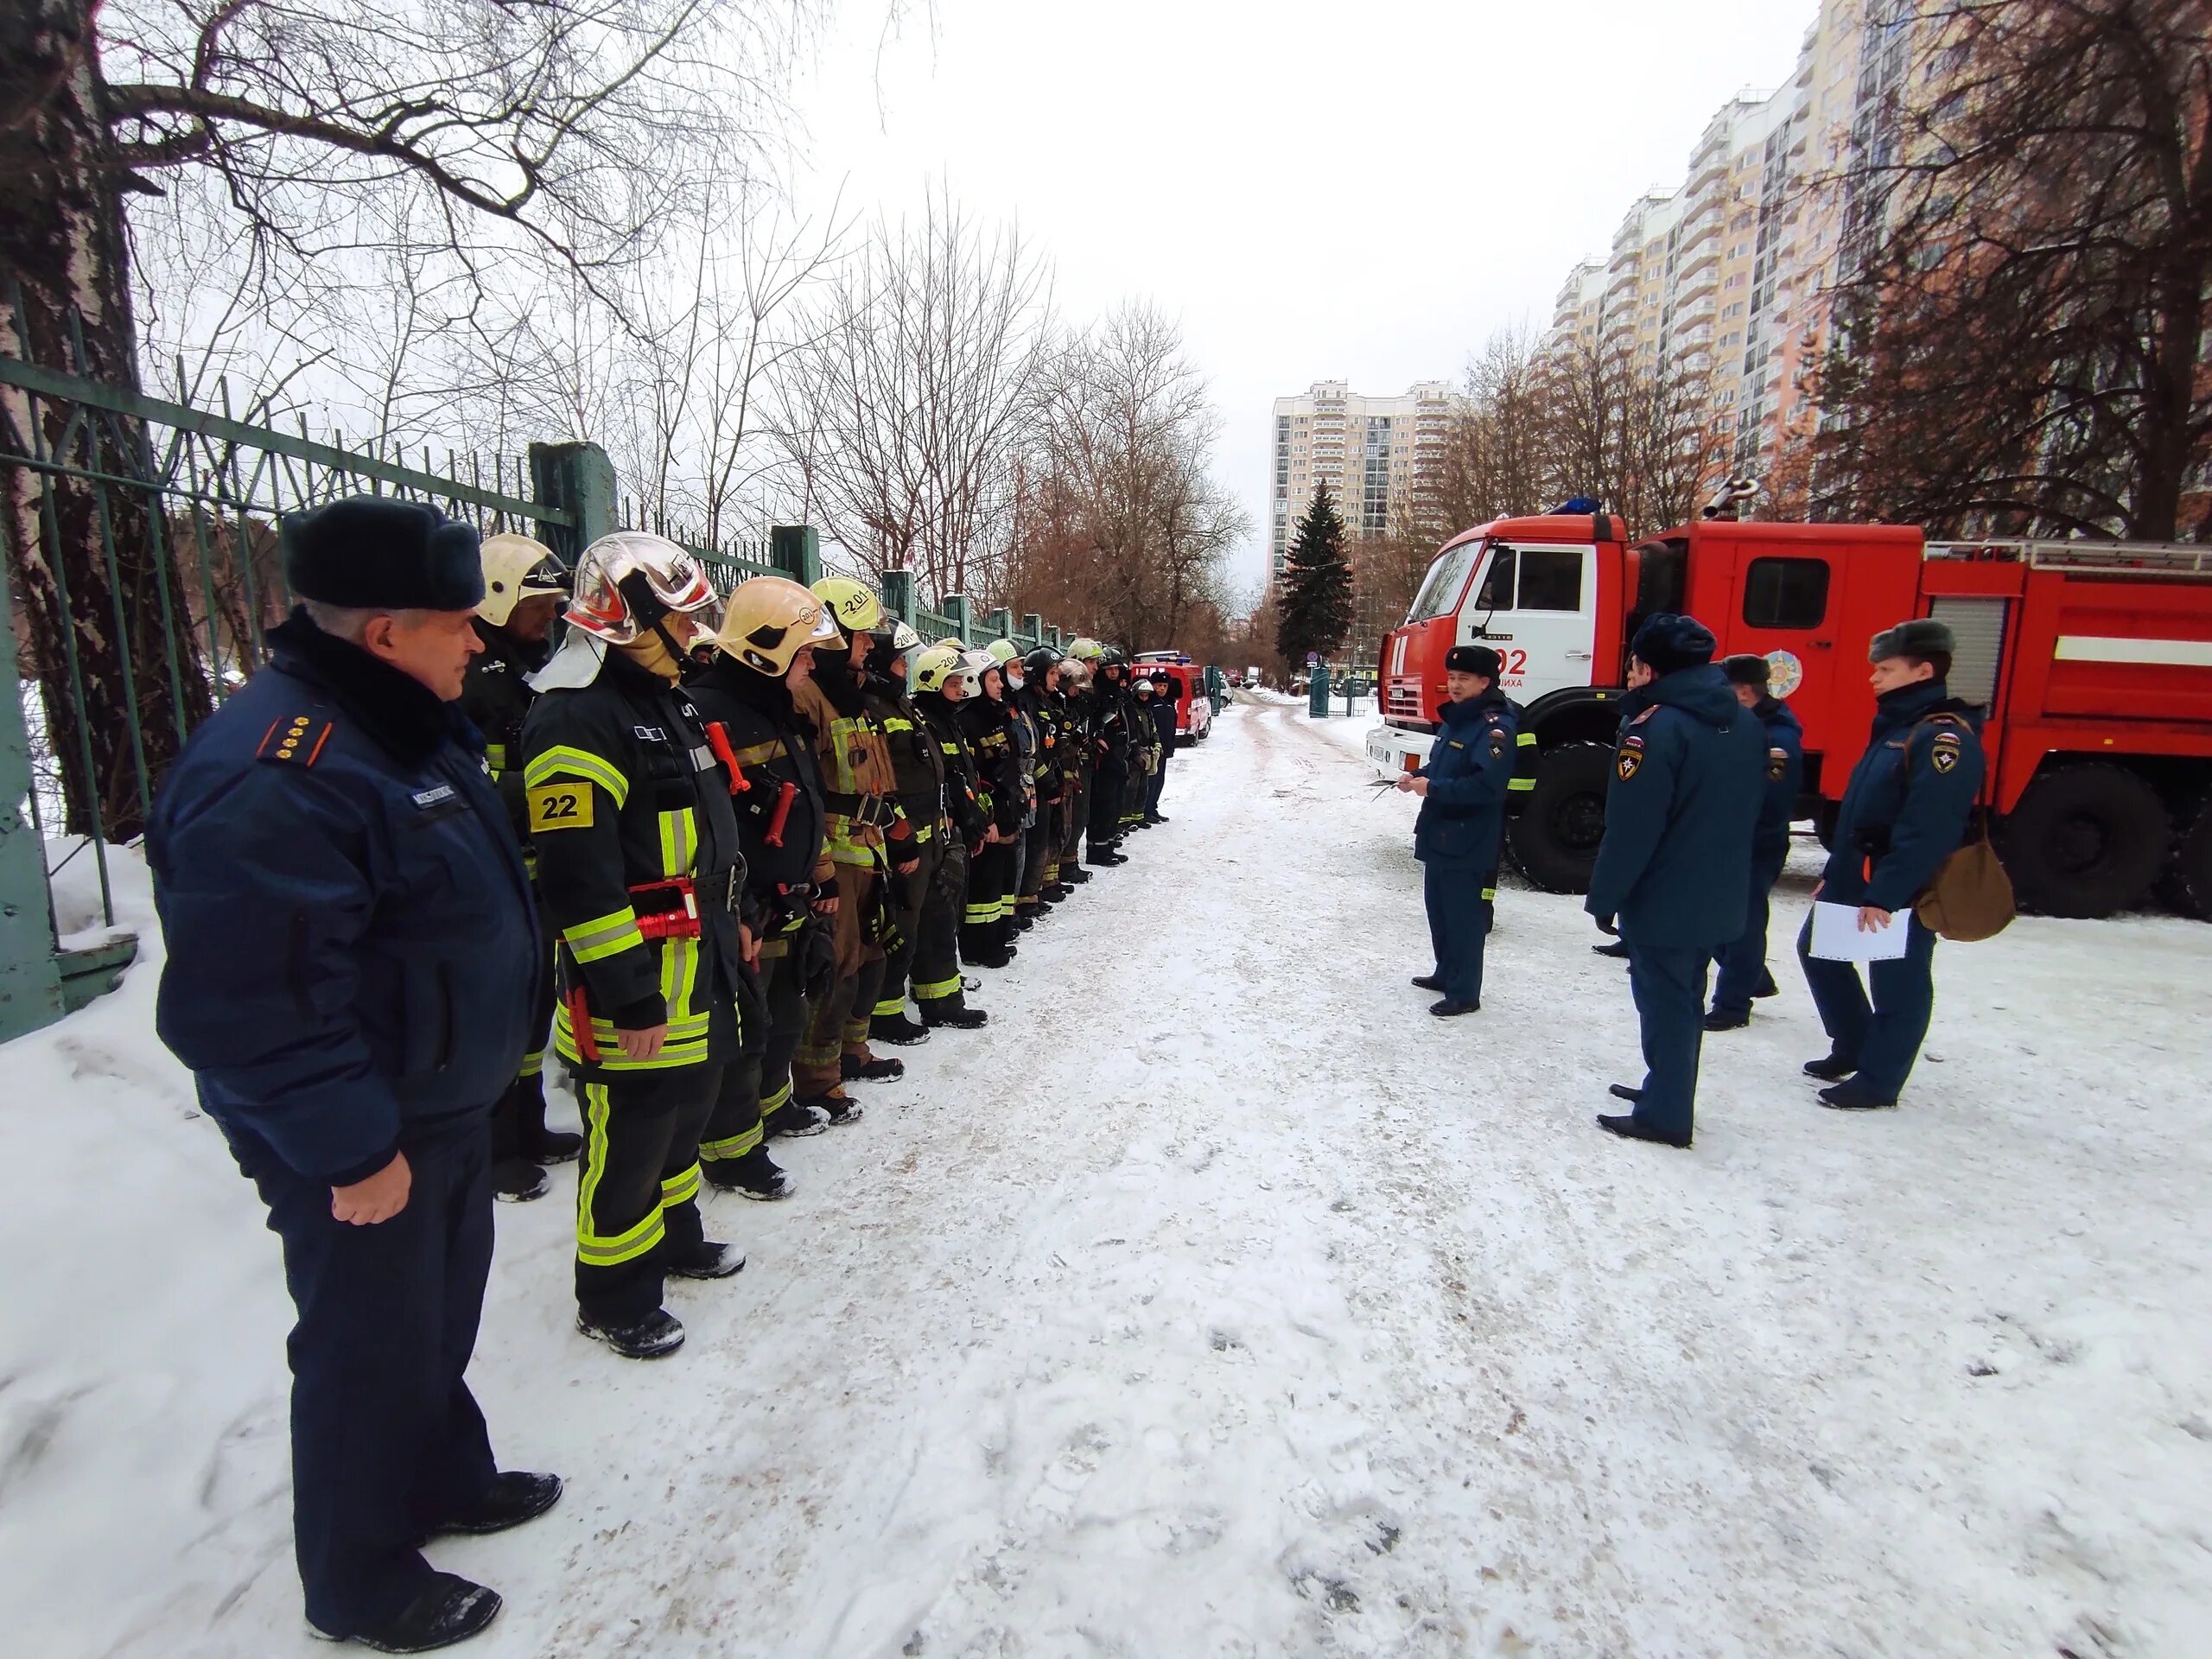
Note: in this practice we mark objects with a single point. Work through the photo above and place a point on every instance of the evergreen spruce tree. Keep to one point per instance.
(1314, 613)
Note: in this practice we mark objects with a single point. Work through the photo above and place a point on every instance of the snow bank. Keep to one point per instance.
(1213, 1300)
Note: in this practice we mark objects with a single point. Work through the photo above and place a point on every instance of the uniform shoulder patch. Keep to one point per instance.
(1630, 757)
(1944, 753)
(297, 739)
(1644, 714)
(563, 805)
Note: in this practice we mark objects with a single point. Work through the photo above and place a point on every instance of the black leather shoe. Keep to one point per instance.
(511, 1498)
(1854, 1096)
(660, 1332)
(1428, 982)
(870, 1070)
(1616, 950)
(1833, 1069)
(1629, 1129)
(1720, 1020)
(1622, 1091)
(516, 1180)
(958, 1018)
(708, 1259)
(1767, 987)
(1448, 1009)
(556, 1147)
(450, 1609)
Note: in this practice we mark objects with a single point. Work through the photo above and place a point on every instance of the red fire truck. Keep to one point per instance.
(1193, 711)
(2093, 660)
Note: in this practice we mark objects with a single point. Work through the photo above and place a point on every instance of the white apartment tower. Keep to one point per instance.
(1370, 451)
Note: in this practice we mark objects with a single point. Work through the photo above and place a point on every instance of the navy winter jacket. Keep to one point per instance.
(1905, 809)
(1688, 776)
(1785, 780)
(1462, 816)
(352, 946)
(1162, 710)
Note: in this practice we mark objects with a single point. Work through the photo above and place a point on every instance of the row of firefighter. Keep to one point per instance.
(766, 833)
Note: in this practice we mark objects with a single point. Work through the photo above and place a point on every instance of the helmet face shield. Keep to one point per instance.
(623, 578)
(517, 567)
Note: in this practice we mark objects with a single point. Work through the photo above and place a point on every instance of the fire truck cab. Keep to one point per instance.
(1193, 708)
(2093, 660)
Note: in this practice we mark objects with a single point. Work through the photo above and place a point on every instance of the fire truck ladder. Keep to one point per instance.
(2093, 558)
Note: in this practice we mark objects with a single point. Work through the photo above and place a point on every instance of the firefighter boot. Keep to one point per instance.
(707, 1259)
(836, 1110)
(855, 1068)
(450, 1609)
(896, 1028)
(753, 1174)
(660, 1332)
(516, 1180)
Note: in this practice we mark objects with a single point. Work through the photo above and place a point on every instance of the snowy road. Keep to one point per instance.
(1216, 1301)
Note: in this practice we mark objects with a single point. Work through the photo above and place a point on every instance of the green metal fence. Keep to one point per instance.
(139, 568)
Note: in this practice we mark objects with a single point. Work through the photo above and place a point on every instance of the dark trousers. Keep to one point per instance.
(1075, 814)
(815, 1068)
(1743, 960)
(1885, 1037)
(936, 972)
(637, 1197)
(1154, 783)
(759, 1081)
(984, 916)
(1459, 906)
(907, 896)
(1109, 784)
(518, 1115)
(1036, 840)
(387, 1442)
(1668, 986)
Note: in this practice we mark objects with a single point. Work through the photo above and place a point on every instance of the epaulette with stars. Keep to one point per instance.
(299, 740)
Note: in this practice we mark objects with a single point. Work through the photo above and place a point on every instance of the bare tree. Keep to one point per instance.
(904, 401)
(2028, 275)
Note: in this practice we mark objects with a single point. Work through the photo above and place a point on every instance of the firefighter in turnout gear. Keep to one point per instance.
(639, 867)
(1113, 745)
(1076, 758)
(1040, 871)
(523, 587)
(918, 769)
(764, 651)
(987, 921)
(940, 684)
(1022, 728)
(870, 840)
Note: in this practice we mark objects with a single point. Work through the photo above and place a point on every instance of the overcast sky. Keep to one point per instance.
(1361, 191)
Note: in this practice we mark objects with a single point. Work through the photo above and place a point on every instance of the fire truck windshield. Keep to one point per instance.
(1439, 595)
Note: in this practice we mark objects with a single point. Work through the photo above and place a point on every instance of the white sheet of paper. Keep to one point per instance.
(1837, 937)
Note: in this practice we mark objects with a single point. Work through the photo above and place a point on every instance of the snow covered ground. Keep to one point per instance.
(1216, 1301)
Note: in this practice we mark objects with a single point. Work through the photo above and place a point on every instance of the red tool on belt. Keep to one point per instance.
(783, 799)
(718, 740)
(679, 920)
(579, 1025)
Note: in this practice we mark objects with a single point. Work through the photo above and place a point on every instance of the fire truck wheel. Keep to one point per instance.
(2086, 841)
(2192, 870)
(1555, 839)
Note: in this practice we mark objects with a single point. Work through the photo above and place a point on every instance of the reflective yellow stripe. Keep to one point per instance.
(533, 1063)
(1526, 740)
(778, 1101)
(595, 1248)
(680, 1188)
(495, 756)
(1490, 894)
(679, 841)
(889, 1006)
(736, 1146)
(893, 723)
(977, 915)
(936, 989)
(1523, 784)
(755, 754)
(686, 1045)
(603, 935)
(950, 748)
(924, 832)
(562, 761)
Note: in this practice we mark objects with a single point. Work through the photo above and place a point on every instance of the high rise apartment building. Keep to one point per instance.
(1727, 277)
(1373, 453)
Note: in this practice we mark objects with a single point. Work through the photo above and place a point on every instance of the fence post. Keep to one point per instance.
(1001, 623)
(955, 607)
(30, 979)
(579, 480)
(1053, 637)
(797, 549)
(1033, 628)
(898, 595)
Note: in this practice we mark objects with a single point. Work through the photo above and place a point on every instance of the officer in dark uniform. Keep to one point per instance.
(524, 586)
(1903, 812)
(1462, 822)
(1675, 862)
(1743, 960)
(638, 866)
(1162, 708)
(764, 649)
(351, 962)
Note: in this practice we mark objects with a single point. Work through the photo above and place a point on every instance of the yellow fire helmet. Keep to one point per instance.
(769, 621)
(937, 668)
(1003, 651)
(517, 567)
(1085, 650)
(853, 605)
(953, 640)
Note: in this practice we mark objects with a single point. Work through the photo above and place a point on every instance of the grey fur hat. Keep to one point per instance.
(1919, 636)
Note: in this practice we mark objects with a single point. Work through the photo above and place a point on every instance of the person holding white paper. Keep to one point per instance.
(1903, 812)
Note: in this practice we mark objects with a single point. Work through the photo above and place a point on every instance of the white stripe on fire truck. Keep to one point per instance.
(2100, 648)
